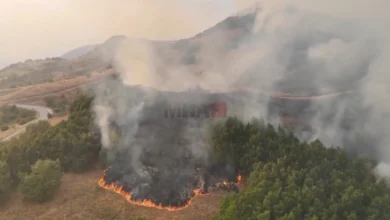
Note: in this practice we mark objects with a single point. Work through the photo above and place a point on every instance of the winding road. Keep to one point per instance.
(42, 115)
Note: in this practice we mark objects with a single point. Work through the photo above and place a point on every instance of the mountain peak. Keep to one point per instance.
(252, 9)
(115, 39)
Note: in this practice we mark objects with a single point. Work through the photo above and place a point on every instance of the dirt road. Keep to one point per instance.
(42, 115)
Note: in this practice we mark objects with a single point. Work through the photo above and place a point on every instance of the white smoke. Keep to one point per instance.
(103, 115)
(289, 50)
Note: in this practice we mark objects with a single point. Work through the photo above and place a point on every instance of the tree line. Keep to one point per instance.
(42, 153)
(288, 179)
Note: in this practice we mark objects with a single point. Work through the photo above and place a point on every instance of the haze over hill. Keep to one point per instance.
(276, 47)
(234, 41)
(78, 52)
(320, 82)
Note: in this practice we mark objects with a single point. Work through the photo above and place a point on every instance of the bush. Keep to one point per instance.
(22, 121)
(5, 181)
(4, 127)
(43, 181)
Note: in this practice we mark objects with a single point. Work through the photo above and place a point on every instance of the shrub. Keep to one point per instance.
(22, 121)
(43, 181)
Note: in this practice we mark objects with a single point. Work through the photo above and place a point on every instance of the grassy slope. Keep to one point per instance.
(81, 198)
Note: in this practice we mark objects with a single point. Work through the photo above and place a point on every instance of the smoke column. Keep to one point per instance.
(283, 48)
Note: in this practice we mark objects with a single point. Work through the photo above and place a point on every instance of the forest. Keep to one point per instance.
(284, 177)
(287, 179)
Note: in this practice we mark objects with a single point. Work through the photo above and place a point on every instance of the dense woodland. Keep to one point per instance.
(285, 179)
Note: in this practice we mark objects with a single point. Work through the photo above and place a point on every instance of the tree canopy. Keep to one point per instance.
(75, 143)
(43, 181)
(290, 180)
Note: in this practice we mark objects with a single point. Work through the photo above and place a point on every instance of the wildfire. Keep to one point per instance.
(149, 203)
(239, 179)
(146, 202)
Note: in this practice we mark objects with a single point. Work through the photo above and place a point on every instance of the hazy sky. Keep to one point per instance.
(41, 28)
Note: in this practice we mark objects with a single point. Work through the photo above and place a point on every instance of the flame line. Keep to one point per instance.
(147, 202)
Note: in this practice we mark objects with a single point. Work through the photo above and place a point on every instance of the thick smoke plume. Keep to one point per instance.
(328, 73)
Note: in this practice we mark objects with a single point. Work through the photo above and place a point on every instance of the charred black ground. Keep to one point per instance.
(166, 159)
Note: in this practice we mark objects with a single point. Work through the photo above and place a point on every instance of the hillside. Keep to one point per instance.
(78, 52)
(32, 72)
(89, 58)
(230, 50)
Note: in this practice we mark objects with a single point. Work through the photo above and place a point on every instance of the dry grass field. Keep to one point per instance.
(56, 120)
(80, 198)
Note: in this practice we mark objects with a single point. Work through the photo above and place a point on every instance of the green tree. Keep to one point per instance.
(293, 180)
(43, 181)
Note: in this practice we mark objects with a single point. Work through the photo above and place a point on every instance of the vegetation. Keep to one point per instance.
(32, 72)
(59, 104)
(43, 181)
(4, 127)
(286, 179)
(11, 114)
(73, 144)
(293, 180)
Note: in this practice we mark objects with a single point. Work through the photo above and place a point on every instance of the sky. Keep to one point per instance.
(41, 28)
(47, 28)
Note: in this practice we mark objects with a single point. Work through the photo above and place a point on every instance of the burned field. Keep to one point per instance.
(163, 162)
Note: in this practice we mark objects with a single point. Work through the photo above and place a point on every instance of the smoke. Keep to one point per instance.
(283, 49)
(343, 48)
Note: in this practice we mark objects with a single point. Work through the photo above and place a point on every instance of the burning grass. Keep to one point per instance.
(160, 162)
(121, 190)
(146, 202)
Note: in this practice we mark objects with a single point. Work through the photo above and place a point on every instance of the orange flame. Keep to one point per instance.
(146, 202)
(149, 203)
(239, 179)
